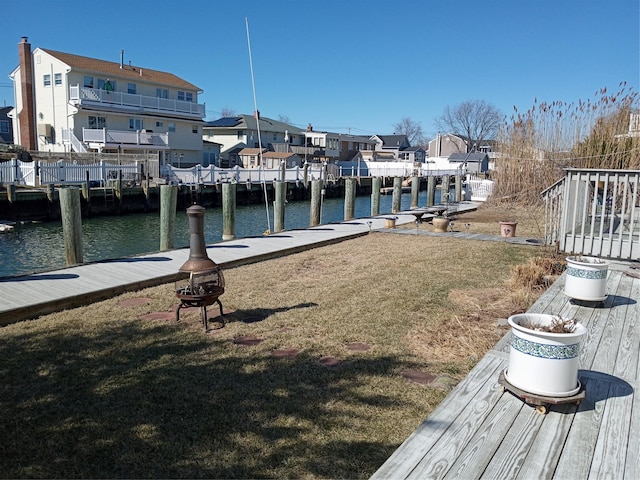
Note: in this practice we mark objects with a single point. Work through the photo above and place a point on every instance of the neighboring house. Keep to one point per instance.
(324, 146)
(476, 162)
(413, 154)
(6, 126)
(210, 153)
(67, 102)
(235, 133)
(445, 145)
(390, 146)
(250, 158)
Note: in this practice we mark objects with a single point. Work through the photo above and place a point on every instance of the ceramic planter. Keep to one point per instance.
(543, 363)
(440, 224)
(586, 278)
(508, 229)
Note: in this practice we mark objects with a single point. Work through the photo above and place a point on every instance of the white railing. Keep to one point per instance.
(68, 137)
(595, 212)
(125, 137)
(63, 172)
(93, 95)
(478, 189)
(213, 174)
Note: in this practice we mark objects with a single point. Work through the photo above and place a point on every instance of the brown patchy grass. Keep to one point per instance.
(99, 391)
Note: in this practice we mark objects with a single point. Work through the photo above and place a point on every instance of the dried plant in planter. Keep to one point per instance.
(558, 325)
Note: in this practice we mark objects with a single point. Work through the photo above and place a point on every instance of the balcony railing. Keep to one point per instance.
(93, 96)
(107, 137)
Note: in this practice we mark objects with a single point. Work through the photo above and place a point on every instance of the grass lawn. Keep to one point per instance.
(329, 359)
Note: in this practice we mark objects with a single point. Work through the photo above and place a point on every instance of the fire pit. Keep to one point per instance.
(199, 282)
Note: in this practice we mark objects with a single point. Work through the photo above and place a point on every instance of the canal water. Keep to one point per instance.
(38, 247)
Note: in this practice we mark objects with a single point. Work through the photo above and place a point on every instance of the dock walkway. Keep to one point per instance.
(29, 296)
(480, 431)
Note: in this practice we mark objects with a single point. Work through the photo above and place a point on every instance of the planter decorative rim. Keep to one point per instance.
(587, 261)
(544, 363)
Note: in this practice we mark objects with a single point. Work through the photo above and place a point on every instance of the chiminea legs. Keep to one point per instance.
(203, 311)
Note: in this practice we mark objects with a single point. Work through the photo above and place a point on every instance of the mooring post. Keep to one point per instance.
(305, 175)
(458, 181)
(229, 210)
(85, 187)
(279, 202)
(11, 192)
(71, 224)
(119, 185)
(376, 183)
(431, 190)
(316, 193)
(349, 198)
(415, 189)
(397, 195)
(444, 187)
(168, 203)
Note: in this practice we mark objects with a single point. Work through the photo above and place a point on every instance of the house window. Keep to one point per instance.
(162, 93)
(88, 81)
(4, 126)
(47, 80)
(135, 124)
(194, 128)
(181, 96)
(97, 122)
(131, 88)
(240, 134)
(188, 97)
(57, 78)
(159, 124)
(172, 127)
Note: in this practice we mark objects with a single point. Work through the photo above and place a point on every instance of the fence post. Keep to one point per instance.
(228, 211)
(396, 203)
(168, 202)
(71, 224)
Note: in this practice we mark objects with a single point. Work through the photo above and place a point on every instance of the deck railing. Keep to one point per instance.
(595, 212)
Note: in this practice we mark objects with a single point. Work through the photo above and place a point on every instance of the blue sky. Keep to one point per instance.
(355, 66)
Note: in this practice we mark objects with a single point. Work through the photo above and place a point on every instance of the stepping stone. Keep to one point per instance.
(416, 376)
(247, 341)
(134, 302)
(285, 352)
(329, 362)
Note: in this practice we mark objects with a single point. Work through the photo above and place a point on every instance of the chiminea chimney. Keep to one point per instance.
(309, 128)
(256, 114)
(27, 115)
(121, 58)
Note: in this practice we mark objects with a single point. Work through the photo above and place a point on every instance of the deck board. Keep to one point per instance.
(496, 435)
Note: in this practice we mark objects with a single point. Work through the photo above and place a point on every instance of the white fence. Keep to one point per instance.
(595, 212)
(478, 189)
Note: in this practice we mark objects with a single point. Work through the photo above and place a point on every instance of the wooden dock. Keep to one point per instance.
(29, 296)
(481, 431)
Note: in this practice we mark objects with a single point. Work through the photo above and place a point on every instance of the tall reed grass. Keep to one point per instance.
(535, 146)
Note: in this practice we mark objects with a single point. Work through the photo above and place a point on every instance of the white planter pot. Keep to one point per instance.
(586, 278)
(543, 363)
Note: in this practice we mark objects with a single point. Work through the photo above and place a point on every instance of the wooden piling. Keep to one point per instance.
(396, 203)
(349, 198)
(11, 192)
(415, 189)
(458, 194)
(444, 188)
(280, 190)
(431, 190)
(86, 190)
(50, 192)
(376, 183)
(71, 214)
(168, 203)
(229, 211)
(316, 194)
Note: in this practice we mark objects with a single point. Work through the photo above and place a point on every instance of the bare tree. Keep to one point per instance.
(474, 120)
(412, 129)
(227, 112)
(284, 119)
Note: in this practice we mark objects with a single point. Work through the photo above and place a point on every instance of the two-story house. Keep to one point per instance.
(388, 147)
(241, 131)
(66, 102)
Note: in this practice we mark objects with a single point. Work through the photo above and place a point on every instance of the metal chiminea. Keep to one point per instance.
(199, 282)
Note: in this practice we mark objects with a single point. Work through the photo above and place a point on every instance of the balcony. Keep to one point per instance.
(93, 97)
(104, 138)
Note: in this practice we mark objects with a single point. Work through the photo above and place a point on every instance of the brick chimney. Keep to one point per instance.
(27, 115)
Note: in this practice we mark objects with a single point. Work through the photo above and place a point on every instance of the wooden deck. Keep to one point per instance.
(479, 431)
